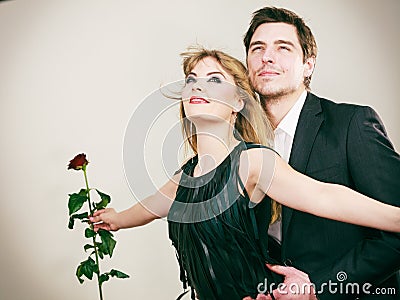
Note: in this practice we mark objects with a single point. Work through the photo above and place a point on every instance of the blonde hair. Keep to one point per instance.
(252, 124)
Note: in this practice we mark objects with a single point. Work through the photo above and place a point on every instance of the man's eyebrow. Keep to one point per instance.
(284, 42)
(277, 42)
(256, 43)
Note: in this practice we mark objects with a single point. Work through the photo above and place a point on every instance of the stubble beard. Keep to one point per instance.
(270, 94)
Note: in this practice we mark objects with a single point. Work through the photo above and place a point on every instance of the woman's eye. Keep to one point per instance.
(215, 79)
(190, 79)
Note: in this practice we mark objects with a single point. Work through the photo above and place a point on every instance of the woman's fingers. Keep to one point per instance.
(103, 219)
(96, 219)
(104, 226)
(98, 215)
(99, 212)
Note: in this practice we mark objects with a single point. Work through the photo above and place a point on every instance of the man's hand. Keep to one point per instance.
(259, 297)
(296, 286)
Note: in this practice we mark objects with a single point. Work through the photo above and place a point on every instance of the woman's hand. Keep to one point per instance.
(105, 219)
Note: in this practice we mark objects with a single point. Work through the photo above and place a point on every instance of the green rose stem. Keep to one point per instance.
(91, 227)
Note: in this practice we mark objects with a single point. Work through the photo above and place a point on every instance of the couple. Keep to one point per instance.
(216, 204)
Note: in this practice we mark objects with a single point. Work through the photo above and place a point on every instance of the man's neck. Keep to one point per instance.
(277, 108)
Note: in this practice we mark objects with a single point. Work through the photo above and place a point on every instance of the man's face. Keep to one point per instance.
(275, 61)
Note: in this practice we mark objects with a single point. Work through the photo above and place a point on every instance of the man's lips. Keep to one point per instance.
(198, 100)
(267, 73)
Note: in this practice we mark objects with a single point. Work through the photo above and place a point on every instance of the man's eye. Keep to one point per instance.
(256, 49)
(284, 48)
(190, 79)
(215, 79)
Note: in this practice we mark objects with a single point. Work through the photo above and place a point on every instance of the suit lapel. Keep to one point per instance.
(307, 128)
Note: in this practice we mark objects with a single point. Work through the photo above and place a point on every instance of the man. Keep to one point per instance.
(337, 143)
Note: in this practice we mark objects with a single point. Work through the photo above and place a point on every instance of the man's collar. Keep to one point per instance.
(289, 122)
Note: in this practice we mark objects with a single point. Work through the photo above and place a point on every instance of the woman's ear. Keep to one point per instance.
(238, 105)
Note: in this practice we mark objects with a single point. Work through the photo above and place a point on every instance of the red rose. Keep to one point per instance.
(78, 162)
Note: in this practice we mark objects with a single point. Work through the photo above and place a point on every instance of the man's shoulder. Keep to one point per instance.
(327, 104)
(335, 115)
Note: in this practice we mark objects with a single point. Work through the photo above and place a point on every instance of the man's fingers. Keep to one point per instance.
(288, 271)
(276, 294)
(282, 270)
(259, 297)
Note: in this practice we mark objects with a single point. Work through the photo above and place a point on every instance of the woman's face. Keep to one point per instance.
(210, 93)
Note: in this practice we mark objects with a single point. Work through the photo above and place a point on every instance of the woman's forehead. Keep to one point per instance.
(209, 65)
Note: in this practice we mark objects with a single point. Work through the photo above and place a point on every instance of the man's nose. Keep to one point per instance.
(268, 56)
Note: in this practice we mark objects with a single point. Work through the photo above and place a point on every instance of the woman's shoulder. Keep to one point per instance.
(256, 157)
(257, 167)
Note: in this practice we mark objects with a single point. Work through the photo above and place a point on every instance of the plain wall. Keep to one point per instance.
(71, 75)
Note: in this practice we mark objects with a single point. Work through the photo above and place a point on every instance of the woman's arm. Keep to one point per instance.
(153, 207)
(332, 201)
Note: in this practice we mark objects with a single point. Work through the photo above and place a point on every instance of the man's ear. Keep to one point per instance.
(309, 66)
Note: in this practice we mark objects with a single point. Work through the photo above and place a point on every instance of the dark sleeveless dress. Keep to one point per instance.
(220, 238)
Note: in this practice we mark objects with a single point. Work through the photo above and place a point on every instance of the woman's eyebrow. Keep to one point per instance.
(216, 72)
(208, 74)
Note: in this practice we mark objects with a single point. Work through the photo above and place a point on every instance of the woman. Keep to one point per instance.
(218, 203)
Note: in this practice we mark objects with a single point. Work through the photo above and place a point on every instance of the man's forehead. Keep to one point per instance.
(275, 31)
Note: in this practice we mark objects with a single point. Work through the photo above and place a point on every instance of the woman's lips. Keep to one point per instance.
(198, 100)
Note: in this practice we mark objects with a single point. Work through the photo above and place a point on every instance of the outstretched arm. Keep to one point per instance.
(331, 201)
(151, 208)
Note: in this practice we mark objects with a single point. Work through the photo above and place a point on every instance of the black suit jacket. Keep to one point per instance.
(344, 144)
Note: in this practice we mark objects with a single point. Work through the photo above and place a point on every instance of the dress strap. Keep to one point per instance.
(254, 145)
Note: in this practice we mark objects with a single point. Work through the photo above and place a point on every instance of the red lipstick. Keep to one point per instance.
(198, 100)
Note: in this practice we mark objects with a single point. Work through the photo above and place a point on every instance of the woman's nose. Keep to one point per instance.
(197, 86)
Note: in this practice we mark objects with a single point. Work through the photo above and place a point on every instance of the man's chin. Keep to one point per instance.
(267, 93)
(276, 93)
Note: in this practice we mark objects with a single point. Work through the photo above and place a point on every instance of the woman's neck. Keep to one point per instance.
(214, 143)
